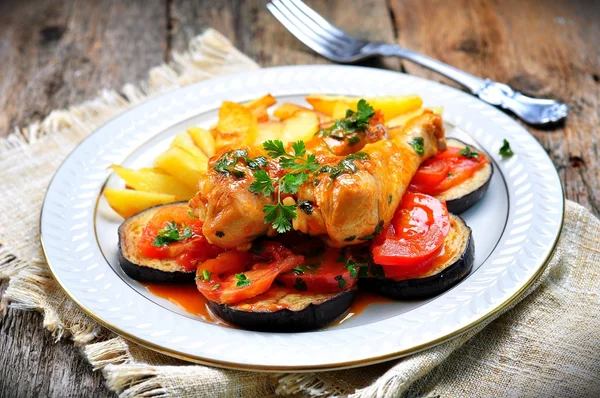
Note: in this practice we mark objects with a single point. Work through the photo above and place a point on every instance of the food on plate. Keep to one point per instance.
(289, 218)
(163, 244)
(460, 176)
(424, 252)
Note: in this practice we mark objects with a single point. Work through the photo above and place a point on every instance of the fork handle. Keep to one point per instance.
(474, 84)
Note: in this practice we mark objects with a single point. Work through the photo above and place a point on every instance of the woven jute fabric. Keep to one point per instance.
(545, 344)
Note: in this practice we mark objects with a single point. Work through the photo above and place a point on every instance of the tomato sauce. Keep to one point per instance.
(189, 299)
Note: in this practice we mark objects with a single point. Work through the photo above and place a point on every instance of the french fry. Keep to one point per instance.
(203, 140)
(182, 165)
(401, 120)
(237, 126)
(390, 106)
(301, 126)
(128, 202)
(149, 181)
(271, 130)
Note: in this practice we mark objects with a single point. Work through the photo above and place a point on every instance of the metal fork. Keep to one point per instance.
(338, 46)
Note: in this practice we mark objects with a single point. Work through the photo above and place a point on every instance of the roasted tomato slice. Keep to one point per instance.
(446, 170)
(177, 223)
(235, 276)
(328, 272)
(416, 233)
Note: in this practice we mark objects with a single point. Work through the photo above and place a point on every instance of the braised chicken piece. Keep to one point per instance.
(349, 200)
(232, 215)
(356, 205)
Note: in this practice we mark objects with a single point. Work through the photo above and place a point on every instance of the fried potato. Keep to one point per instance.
(264, 101)
(182, 165)
(237, 126)
(271, 130)
(128, 202)
(203, 140)
(390, 106)
(287, 110)
(301, 126)
(185, 142)
(402, 119)
(150, 181)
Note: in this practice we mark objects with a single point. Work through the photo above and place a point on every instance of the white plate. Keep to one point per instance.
(515, 228)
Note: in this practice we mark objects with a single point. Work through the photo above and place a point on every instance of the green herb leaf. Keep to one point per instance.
(300, 284)
(505, 150)
(419, 145)
(468, 153)
(206, 274)
(280, 215)
(262, 183)
(274, 148)
(350, 238)
(355, 139)
(242, 281)
(299, 148)
(341, 281)
(306, 206)
(171, 233)
(215, 287)
(299, 270)
(390, 199)
(190, 214)
(220, 234)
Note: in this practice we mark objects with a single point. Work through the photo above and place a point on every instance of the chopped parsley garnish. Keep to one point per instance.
(350, 238)
(171, 233)
(367, 237)
(468, 153)
(299, 270)
(300, 284)
(379, 227)
(377, 271)
(306, 206)
(450, 175)
(419, 145)
(206, 274)
(257, 249)
(242, 280)
(346, 165)
(390, 199)
(229, 160)
(341, 281)
(215, 287)
(220, 234)
(505, 150)
(356, 269)
(352, 125)
(297, 166)
(190, 214)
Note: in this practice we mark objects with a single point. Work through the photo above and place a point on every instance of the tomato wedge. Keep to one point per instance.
(326, 273)
(187, 252)
(446, 170)
(416, 233)
(235, 276)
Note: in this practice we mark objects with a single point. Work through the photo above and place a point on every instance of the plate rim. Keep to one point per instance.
(293, 368)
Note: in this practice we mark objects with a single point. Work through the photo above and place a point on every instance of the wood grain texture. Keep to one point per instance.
(55, 53)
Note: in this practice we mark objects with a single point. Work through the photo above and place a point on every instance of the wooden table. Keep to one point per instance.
(55, 53)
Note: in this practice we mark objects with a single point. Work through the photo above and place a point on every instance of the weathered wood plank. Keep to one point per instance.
(55, 53)
(542, 49)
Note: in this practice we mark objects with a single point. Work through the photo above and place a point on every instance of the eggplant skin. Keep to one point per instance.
(147, 270)
(422, 288)
(464, 196)
(313, 316)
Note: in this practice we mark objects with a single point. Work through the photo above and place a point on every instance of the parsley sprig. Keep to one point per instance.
(171, 233)
(505, 150)
(469, 153)
(353, 124)
(229, 160)
(297, 166)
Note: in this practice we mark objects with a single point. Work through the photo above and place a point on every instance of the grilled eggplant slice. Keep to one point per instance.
(282, 310)
(459, 250)
(142, 268)
(462, 197)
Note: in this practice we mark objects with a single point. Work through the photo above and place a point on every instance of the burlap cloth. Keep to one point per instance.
(546, 345)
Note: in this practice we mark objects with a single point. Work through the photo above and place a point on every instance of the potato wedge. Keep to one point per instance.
(203, 140)
(237, 126)
(154, 170)
(264, 101)
(301, 126)
(271, 130)
(287, 109)
(149, 181)
(390, 106)
(261, 114)
(182, 165)
(185, 142)
(402, 119)
(128, 202)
